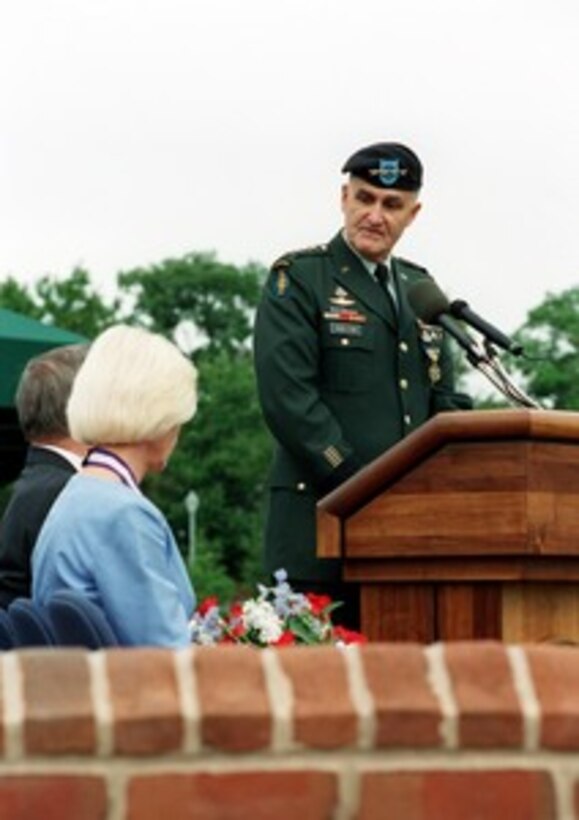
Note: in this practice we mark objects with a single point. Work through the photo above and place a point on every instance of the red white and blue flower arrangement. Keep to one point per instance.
(277, 616)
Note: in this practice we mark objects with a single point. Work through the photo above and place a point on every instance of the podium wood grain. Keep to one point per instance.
(540, 612)
(469, 528)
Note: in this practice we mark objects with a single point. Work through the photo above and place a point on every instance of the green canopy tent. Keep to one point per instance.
(21, 338)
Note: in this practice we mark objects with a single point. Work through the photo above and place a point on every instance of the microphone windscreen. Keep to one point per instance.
(427, 300)
(457, 307)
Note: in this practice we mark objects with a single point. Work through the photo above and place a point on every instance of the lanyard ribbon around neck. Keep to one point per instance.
(100, 457)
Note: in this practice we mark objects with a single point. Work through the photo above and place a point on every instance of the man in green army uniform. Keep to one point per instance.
(344, 367)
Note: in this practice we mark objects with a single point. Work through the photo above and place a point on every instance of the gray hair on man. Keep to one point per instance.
(44, 389)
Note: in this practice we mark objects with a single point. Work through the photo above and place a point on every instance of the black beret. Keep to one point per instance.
(386, 165)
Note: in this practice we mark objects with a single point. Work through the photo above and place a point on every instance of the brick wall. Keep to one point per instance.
(395, 731)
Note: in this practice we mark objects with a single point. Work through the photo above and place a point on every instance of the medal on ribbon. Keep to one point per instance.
(431, 339)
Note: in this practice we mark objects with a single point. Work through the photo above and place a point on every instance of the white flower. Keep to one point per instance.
(261, 617)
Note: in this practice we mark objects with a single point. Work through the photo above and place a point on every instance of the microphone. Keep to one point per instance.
(460, 309)
(431, 306)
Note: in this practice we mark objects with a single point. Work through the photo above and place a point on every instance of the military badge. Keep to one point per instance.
(434, 371)
(341, 297)
(431, 340)
(345, 329)
(346, 316)
(388, 171)
(279, 282)
(429, 334)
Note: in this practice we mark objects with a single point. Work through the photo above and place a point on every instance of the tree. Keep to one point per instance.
(14, 296)
(71, 303)
(218, 299)
(550, 337)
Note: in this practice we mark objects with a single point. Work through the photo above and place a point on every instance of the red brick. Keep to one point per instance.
(489, 710)
(457, 795)
(235, 709)
(58, 710)
(145, 701)
(555, 673)
(324, 715)
(52, 797)
(407, 712)
(281, 795)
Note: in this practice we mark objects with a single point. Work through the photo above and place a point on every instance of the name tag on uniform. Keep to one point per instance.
(345, 329)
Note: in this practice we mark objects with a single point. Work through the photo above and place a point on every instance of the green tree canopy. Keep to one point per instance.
(550, 337)
(71, 303)
(218, 299)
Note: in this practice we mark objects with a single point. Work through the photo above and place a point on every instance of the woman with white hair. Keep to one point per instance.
(102, 537)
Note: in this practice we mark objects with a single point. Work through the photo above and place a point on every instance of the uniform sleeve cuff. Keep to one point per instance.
(345, 470)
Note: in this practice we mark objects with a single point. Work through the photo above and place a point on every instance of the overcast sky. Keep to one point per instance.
(136, 130)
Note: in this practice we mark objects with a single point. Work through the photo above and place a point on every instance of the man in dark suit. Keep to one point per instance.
(51, 459)
(344, 367)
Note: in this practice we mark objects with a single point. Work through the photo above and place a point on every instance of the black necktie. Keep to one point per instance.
(383, 277)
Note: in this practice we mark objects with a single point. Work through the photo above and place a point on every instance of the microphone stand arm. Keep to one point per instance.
(489, 365)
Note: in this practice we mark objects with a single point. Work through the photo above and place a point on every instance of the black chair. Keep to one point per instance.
(7, 634)
(77, 621)
(30, 623)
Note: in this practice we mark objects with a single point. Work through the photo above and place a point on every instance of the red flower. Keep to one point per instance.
(235, 623)
(348, 635)
(236, 610)
(237, 629)
(207, 604)
(286, 638)
(318, 602)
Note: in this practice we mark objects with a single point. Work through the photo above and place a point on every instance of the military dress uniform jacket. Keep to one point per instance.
(342, 375)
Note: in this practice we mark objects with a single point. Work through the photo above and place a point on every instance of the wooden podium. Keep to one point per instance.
(468, 528)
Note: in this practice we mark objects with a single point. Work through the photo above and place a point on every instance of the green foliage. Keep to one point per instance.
(15, 296)
(209, 578)
(550, 338)
(219, 299)
(71, 304)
